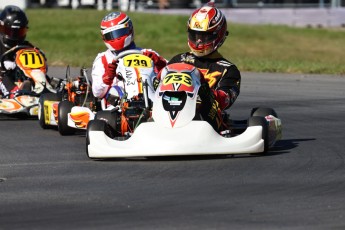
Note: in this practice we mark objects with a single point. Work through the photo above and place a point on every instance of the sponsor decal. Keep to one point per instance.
(50, 112)
(9, 105)
(197, 25)
(224, 63)
(212, 77)
(80, 119)
(26, 100)
(187, 59)
(55, 107)
(213, 114)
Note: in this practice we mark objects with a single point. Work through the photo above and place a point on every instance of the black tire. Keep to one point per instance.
(64, 108)
(111, 118)
(263, 112)
(94, 125)
(260, 121)
(41, 110)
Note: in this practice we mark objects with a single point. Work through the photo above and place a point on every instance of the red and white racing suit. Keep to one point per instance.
(100, 65)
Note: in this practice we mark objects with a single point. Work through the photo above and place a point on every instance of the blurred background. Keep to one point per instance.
(297, 13)
(290, 36)
(176, 4)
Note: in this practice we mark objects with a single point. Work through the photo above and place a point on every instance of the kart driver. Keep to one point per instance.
(13, 28)
(221, 80)
(118, 35)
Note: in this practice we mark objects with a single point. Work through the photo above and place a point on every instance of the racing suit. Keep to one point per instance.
(223, 88)
(100, 66)
(7, 75)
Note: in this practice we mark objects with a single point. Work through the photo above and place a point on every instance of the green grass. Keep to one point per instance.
(72, 37)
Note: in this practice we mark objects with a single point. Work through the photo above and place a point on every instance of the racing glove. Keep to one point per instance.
(222, 98)
(110, 73)
(210, 108)
(159, 61)
(9, 65)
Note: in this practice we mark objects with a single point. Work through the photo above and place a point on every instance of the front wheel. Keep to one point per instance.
(263, 112)
(64, 108)
(260, 121)
(43, 113)
(94, 125)
(111, 119)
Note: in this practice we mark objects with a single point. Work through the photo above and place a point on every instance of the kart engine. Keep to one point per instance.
(134, 112)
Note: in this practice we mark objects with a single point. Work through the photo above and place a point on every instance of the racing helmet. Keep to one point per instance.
(13, 26)
(207, 30)
(117, 31)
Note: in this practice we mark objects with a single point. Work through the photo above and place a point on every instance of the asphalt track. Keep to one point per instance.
(47, 182)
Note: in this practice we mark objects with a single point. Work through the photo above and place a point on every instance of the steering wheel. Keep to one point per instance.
(127, 52)
(148, 105)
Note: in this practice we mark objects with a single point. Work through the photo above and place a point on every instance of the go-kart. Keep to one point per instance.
(74, 110)
(71, 108)
(122, 115)
(174, 130)
(31, 71)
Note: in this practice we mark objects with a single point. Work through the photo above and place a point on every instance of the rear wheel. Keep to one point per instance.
(42, 112)
(64, 108)
(94, 125)
(260, 121)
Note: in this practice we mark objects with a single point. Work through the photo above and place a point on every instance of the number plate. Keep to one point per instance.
(30, 58)
(137, 60)
(178, 78)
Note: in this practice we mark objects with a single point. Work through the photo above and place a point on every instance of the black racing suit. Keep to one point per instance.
(8, 77)
(223, 88)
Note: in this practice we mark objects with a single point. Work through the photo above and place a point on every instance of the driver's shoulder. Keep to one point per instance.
(105, 54)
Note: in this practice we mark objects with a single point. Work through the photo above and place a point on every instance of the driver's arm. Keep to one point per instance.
(99, 88)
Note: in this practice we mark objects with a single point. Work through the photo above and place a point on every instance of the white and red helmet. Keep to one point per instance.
(207, 30)
(117, 31)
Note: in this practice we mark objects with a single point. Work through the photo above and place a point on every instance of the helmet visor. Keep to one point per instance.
(201, 37)
(14, 33)
(116, 34)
